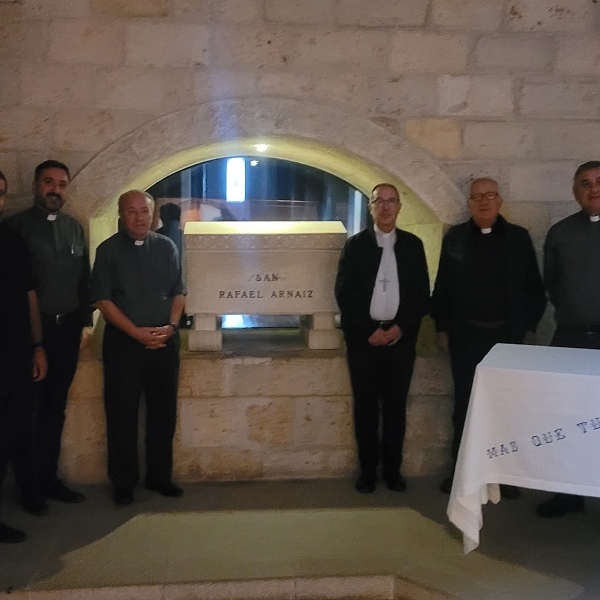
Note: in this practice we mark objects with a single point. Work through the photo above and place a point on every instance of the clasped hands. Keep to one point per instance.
(154, 337)
(383, 337)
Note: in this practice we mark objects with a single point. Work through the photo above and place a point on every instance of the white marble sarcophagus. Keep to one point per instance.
(262, 268)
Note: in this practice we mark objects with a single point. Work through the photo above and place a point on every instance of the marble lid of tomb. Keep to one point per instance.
(263, 227)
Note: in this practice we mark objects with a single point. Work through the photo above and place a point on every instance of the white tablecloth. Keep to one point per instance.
(533, 422)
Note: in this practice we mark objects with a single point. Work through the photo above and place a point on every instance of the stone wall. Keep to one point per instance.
(505, 88)
(500, 87)
(277, 416)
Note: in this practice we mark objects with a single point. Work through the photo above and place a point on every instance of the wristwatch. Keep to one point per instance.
(174, 326)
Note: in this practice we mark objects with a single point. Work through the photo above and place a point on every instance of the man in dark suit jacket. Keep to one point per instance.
(488, 290)
(382, 290)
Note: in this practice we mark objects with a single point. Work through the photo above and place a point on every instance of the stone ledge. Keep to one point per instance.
(278, 416)
(375, 587)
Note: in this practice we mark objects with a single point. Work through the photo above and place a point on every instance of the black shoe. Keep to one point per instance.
(60, 492)
(10, 535)
(446, 486)
(396, 484)
(510, 492)
(169, 489)
(34, 505)
(366, 484)
(122, 496)
(559, 505)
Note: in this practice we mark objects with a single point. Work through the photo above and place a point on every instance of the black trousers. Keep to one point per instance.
(468, 346)
(16, 422)
(129, 371)
(380, 378)
(61, 342)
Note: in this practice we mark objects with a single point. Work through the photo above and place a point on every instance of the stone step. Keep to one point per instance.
(376, 587)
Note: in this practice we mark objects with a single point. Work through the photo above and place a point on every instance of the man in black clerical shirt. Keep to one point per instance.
(61, 266)
(572, 276)
(382, 290)
(488, 290)
(22, 362)
(137, 286)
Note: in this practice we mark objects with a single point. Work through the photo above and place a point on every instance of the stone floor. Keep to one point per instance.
(281, 539)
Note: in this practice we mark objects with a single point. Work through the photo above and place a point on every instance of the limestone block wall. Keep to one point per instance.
(272, 417)
(506, 88)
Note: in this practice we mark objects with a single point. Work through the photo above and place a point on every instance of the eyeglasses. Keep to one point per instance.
(379, 202)
(486, 196)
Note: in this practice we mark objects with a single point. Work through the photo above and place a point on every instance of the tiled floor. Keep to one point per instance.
(270, 530)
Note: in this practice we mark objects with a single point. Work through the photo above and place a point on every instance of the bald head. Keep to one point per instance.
(124, 197)
(135, 210)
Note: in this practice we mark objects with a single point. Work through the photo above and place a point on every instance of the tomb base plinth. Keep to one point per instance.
(319, 331)
(206, 335)
(205, 340)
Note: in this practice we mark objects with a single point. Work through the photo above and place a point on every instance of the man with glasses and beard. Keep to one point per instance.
(488, 291)
(382, 290)
(61, 268)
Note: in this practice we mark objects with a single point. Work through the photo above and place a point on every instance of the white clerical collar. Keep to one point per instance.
(51, 217)
(383, 237)
(486, 230)
(594, 218)
(139, 242)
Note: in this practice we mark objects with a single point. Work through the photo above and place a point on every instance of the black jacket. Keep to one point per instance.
(357, 271)
(525, 292)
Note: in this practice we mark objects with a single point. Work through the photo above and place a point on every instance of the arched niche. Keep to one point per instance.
(347, 145)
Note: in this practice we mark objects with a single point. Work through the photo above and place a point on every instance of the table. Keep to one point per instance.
(533, 422)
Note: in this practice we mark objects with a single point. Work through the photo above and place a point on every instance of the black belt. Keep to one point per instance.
(59, 319)
(488, 324)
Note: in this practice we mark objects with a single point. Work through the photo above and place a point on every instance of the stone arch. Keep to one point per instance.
(342, 143)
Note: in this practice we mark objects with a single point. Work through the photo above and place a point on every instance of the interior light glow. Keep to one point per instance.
(235, 190)
(233, 322)
(261, 147)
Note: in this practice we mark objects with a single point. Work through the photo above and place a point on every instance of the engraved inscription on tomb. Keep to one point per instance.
(274, 286)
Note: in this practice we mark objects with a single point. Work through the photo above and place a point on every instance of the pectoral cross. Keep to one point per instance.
(385, 281)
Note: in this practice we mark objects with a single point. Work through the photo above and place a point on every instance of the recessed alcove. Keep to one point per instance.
(415, 216)
(349, 146)
(278, 411)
